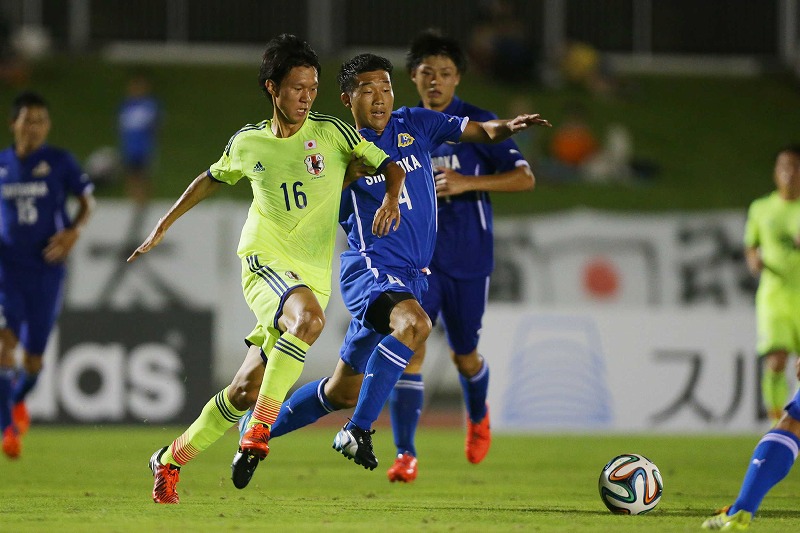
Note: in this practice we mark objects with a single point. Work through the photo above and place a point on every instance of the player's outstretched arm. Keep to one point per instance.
(388, 214)
(495, 131)
(202, 187)
(449, 182)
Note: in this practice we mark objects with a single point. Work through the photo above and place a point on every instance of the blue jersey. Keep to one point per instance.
(33, 196)
(464, 244)
(138, 121)
(409, 138)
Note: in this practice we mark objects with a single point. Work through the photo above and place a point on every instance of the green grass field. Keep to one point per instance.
(96, 479)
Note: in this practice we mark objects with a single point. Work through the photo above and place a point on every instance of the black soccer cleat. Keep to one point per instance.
(243, 467)
(356, 444)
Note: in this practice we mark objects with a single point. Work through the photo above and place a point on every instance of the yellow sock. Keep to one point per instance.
(284, 366)
(775, 392)
(216, 418)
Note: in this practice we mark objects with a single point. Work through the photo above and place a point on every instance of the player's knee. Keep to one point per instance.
(308, 326)
(32, 364)
(776, 362)
(412, 325)
(243, 394)
(468, 365)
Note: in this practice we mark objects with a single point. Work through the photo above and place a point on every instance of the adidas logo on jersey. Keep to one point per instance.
(259, 167)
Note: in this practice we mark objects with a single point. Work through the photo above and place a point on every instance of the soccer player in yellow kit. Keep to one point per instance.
(771, 251)
(296, 164)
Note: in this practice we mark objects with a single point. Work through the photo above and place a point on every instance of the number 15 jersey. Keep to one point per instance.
(297, 186)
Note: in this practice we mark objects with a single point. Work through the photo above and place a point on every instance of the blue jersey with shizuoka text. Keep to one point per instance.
(33, 198)
(465, 241)
(408, 139)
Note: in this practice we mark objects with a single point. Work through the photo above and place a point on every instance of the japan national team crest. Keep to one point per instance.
(314, 164)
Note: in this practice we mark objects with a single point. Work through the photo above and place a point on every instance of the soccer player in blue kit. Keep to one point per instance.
(382, 279)
(464, 256)
(36, 236)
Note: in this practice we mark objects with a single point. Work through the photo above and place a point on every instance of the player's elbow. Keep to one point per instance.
(528, 181)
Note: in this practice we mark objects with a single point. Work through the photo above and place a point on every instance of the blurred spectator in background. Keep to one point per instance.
(139, 119)
(500, 47)
(576, 153)
(584, 66)
(14, 70)
(571, 146)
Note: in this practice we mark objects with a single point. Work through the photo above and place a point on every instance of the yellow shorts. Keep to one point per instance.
(778, 328)
(266, 287)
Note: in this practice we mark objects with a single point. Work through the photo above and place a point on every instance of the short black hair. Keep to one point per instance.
(358, 65)
(432, 42)
(283, 53)
(793, 149)
(26, 99)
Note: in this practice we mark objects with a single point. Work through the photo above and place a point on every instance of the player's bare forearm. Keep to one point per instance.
(60, 244)
(395, 177)
(498, 130)
(387, 216)
(201, 188)
(450, 182)
(752, 256)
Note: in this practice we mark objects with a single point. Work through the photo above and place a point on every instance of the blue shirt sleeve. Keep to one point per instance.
(505, 156)
(435, 127)
(78, 182)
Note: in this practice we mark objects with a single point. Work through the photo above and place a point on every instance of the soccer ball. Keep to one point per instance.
(630, 484)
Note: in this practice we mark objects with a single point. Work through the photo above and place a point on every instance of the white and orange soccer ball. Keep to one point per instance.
(630, 484)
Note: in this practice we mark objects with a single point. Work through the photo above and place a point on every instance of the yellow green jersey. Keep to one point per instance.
(297, 186)
(772, 226)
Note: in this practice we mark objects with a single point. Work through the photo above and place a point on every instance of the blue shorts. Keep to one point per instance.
(30, 302)
(361, 282)
(461, 304)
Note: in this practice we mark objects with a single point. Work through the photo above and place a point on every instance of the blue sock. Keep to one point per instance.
(772, 459)
(405, 406)
(384, 368)
(475, 390)
(25, 382)
(307, 405)
(6, 379)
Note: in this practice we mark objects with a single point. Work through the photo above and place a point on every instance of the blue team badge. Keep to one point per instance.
(404, 139)
(314, 164)
(41, 170)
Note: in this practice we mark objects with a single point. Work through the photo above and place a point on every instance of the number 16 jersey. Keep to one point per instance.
(297, 185)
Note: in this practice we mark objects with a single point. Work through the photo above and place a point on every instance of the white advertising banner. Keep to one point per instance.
(587, 257)
(622, 370)
(663, 339)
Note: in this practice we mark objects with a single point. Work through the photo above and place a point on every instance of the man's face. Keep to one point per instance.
(436, 78)
(296, 93)
(372, 100)
(31, 127)
(787, 173)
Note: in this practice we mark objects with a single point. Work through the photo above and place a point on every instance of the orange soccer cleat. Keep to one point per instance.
(21, 418)
(255, 441)
(479, 438)
(165, 479)
(12, 446)
(404, 468)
